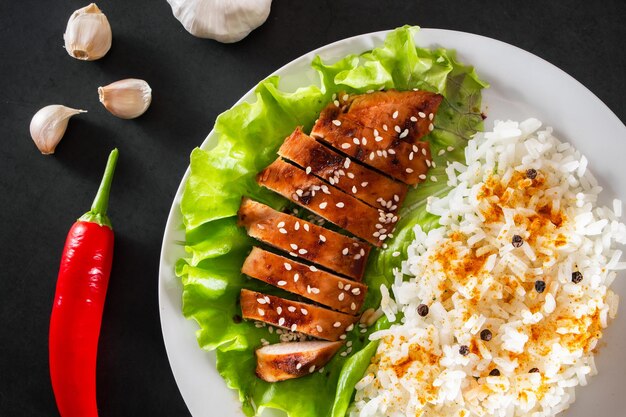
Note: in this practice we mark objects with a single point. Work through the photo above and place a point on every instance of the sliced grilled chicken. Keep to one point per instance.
(304, 239)
(365, 184)
(320, 286)
(379, 149)
(289, 360)
(366, 222)
(295, 316)
(394, 112)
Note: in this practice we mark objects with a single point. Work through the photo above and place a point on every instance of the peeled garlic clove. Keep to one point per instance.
(48, 126)
(88, 34)
(225, 21)
(127, 98)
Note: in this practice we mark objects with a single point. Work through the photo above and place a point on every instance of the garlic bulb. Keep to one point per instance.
(226, 21)
(127, 98)
(48, 126)
(88, 34)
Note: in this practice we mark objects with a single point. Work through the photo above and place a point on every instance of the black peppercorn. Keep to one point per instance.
(577, 277)
(531, 173)
(494, 372)
(540, 286)
(464, 350)
(486, 335)
(517, 241)
(534, 370)
(422, 310)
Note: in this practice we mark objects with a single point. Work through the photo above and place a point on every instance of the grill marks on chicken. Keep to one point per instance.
(354, 179)
(302, 239)
(322, 287)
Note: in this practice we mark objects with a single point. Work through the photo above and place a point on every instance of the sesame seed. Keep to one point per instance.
(343, 337)
(298, 366)
(331, 180)
(283, 231)
(450, 148)
(294, 327)
(397, 128)
(378, 226)
(356, 291)
(319, 328)
(302, 251)
(291, 309)
(357, 257)
(282, 224)
(287, 266)
(299, 192)
(431, 116)
(323, 205)
(344, 354)
(340, 205)
(349, 350)
(306, 225)
(345, 251)
(308, 289)
(315, 290)
(371, 156)
(341, 296)
(321, 370)
(354, 190)
(340, 285)
(428, 163)
(345, 145)
(261, 312)
(422, 114)
(385, 127)
(337, 324)
(308, 170)
(404, 133)
(376, 234)
(297, 226)
(312, 268)
(345, 97)
(337, 122)
(431, 127)
(363, 330)
(261, 300)
(362, 252)
(350, 327)
(356, 141)
(433, 178)
(385, 153)
(413, 119)
(422, 177)
(382, 237)
(296, 277)
(395, 254)
(378, 138)
(391, 152)
(409, 170)
(363, 141)
(279, 310)
(424, 151)
(281, 283)
(346, 163)
(379, 152)
(293, 246)
(395, 114)
(312, 369)
(322, 238)
(295, 255)
(334, 96)
(350, 175)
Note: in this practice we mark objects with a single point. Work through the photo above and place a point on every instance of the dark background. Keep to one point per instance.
(193, 80)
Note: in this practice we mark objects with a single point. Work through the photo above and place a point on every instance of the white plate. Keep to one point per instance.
(522, 85)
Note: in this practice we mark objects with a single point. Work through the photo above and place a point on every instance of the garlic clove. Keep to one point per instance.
(225, 21)
(127, 98)
(48, 126)
(88, 34)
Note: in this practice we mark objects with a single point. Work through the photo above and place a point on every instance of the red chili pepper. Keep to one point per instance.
(78, 305)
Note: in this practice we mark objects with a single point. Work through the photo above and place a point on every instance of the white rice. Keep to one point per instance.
(473, 278)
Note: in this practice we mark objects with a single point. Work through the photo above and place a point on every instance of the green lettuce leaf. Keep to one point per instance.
(247, 137)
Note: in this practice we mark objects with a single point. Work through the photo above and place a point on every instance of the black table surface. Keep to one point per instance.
(193, 80)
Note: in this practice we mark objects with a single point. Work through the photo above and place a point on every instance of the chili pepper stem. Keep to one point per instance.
(98, 212)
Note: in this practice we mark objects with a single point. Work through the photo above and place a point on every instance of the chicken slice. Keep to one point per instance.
(365, 184)
(320, 286)
(304, 239)
(366, 222)
(311, 320)
(394, 112)
(381, 150)
(290, 360)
